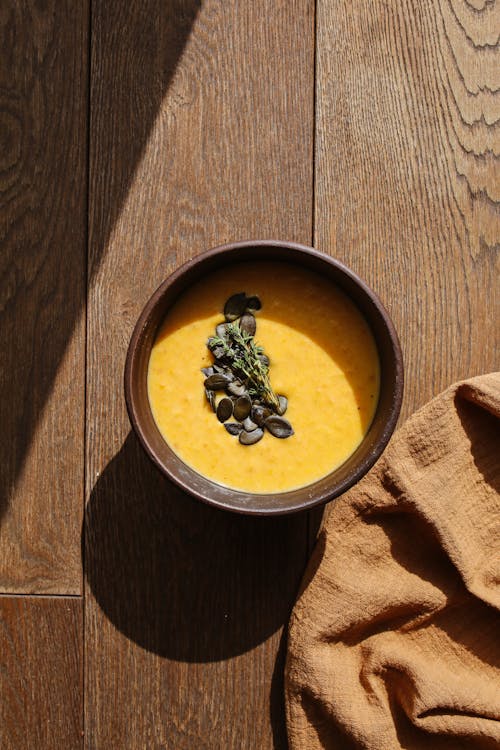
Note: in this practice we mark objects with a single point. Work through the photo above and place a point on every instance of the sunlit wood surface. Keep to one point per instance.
(133, 136)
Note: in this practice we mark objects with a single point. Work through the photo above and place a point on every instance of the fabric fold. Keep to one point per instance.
(394, 641)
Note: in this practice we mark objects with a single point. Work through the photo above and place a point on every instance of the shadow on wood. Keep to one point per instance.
(179, 578)
(44, 108)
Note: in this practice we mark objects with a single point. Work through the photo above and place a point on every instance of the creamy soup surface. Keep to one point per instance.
(323, 359)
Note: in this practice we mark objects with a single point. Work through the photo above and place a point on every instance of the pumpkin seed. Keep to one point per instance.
(279, 426)
(235, 306)
(283, 401)
(216, 382)
(254, 303)
(248, 425)
(210, 398)
(259, 414)
(219, 352)
(224, 409)
(236, 388)
(248, 324)
(250, 438)
(243, 374)
(216, 349)
(221, 330)
(242, 408)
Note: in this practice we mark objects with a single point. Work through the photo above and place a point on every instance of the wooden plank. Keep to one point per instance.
(406, 154)
(187, 605)
(41, 673)
(43, 115)
(201, 132)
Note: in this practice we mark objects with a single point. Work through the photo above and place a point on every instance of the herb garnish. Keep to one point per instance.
(242, 354)
(241, 370)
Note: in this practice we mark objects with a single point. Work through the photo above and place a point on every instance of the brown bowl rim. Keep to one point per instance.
(309, 502)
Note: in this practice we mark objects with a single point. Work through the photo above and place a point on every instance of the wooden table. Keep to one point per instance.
(135, 135)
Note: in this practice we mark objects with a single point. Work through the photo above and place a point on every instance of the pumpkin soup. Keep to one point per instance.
(323, 369)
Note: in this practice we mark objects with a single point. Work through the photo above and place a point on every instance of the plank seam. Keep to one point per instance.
(85, 396)
(21, 595)
(309, 541)
(314, 124)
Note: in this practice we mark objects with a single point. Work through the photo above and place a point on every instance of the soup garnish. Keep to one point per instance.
(241, 372)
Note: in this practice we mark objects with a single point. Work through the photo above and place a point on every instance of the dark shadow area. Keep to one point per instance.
(179, 578)
(316, 556)
(415, 546)
(316, 516)
(330, 732)
(474, 625)
(277, 697)
(483, 430)
(44, 119)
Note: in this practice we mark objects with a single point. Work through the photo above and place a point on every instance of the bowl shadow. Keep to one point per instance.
(179, 578)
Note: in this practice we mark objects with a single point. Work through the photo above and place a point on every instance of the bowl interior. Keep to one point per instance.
(338, 481)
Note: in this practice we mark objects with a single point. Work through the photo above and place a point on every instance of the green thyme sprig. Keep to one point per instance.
(243, 356)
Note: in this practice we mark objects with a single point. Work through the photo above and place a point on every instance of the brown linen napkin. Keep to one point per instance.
(394, 641)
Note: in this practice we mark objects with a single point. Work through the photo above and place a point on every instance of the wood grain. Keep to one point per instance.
(201, 132)
(41, 673)
(43, 122)
(407, 188)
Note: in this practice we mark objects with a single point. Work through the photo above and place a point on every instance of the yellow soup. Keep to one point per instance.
(323, 359)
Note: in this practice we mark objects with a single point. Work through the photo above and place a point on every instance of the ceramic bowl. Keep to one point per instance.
(319, 492)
